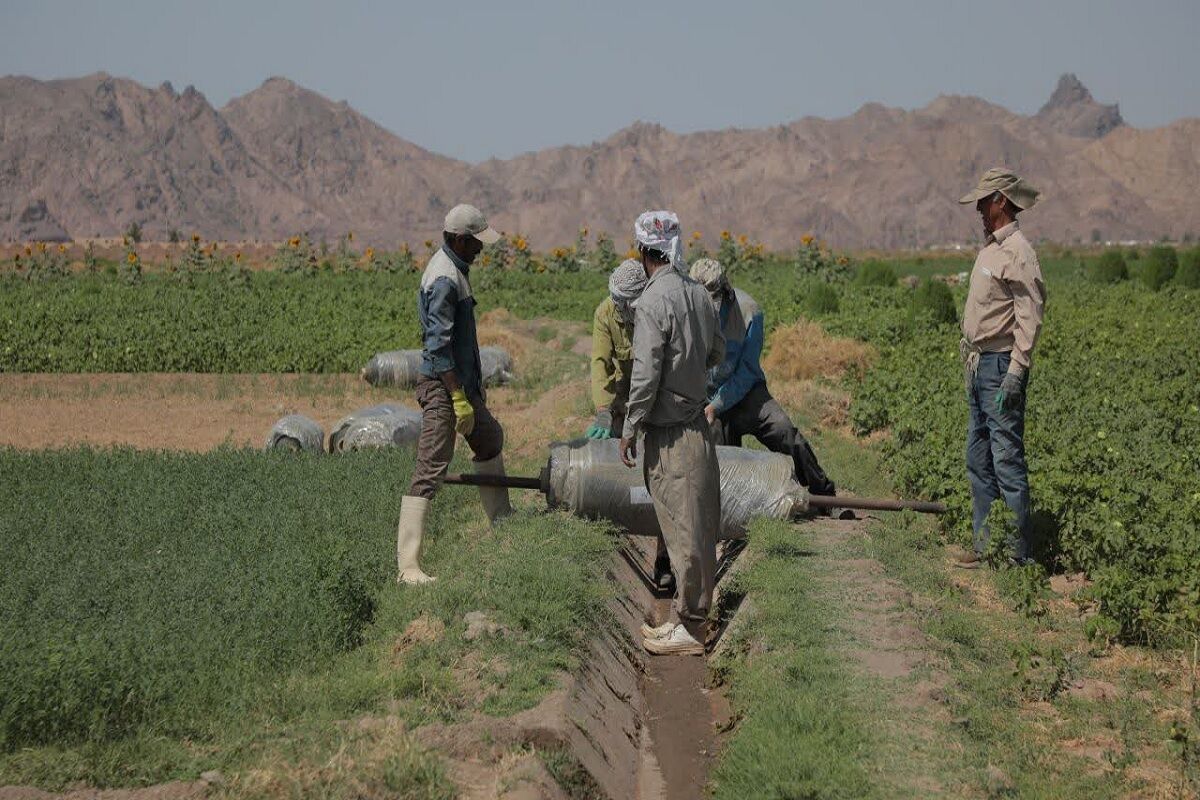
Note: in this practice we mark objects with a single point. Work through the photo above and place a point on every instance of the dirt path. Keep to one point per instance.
(877, 629)
(199, 412)
(184, 411)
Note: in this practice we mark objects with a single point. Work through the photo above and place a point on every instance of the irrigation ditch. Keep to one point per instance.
(640, 727)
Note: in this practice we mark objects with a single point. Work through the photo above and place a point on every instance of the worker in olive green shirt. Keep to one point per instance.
(612, 333)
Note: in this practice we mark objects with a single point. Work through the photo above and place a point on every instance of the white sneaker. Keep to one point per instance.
(656, 633)
(677, 642)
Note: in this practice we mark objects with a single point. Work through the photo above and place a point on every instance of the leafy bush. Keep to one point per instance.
(1188, 275)
(815, 262)
(820, 299)
(933, 301)
(875, 273)
(1108, 268)
(1159, 267)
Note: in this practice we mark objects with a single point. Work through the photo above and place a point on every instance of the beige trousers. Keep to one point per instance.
(680, 463)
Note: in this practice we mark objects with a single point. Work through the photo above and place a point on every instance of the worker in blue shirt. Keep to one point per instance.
(738, 401)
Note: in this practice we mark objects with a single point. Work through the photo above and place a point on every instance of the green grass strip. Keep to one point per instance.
(801, 733)
(164, 614)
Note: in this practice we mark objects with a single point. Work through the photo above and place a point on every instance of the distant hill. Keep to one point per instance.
(86, 156)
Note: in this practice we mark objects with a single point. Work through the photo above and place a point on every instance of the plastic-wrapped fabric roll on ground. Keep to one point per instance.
(401, 368)
(497, 366)
(385, 425)
(296, 432)
(587, 478)
(398, 368)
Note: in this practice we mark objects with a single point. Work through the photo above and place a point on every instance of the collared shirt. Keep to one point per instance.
(676, 338)
(742, 326)
(612, 357)
(1006, 299)
(446, 309)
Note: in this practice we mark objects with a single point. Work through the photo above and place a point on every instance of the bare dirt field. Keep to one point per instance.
(187, 411)
(171, 411)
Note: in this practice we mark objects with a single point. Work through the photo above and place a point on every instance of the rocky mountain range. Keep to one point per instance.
(85, 157)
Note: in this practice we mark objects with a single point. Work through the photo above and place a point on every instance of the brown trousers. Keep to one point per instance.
(435, 448)
(680, 467)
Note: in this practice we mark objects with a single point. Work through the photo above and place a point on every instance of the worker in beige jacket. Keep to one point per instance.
(1000, 325)
(676, 339)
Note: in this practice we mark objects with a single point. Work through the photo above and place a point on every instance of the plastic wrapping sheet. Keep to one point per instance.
(385, 425)
(296, 432)
(401, 368)
(588, 479)
(497, 366)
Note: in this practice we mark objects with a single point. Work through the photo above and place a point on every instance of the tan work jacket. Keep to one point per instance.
(1006, 299)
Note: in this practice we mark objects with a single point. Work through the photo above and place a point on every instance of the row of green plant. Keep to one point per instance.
(1112, 434)
(273, 323)
(1161, 266)
(165, 614)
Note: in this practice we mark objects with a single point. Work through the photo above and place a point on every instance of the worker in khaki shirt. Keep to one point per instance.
(1001, 323)
(676, 339)
(612, 361)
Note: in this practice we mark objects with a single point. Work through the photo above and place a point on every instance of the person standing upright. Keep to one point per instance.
(450, 388)
(612, 362)
(1000, 325)
(676, 338)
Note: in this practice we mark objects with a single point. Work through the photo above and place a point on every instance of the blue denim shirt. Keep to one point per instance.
(446, 309)
(742, 326)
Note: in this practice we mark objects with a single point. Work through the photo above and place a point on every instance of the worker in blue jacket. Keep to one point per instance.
(738, 401)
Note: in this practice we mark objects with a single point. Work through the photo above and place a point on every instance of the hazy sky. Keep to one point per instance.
(475, 79)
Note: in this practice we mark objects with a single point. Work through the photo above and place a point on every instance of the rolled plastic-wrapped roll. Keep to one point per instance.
(497, 366)
(402, 368)
(587, 478)
(385, 425)
(398, 368)
(296, 432)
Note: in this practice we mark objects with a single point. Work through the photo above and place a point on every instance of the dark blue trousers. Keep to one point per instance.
(996, 454)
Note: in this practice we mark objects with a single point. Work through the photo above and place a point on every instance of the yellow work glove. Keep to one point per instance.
(464, 413)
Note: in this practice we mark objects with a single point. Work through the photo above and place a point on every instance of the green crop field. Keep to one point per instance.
(164, 614)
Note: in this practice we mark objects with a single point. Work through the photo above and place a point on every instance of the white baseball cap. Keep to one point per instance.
(464, 218)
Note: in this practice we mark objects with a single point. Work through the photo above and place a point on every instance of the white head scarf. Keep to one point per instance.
(659, 230)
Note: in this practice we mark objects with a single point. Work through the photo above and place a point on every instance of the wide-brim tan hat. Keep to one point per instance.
(468, 219)
(1007, 183)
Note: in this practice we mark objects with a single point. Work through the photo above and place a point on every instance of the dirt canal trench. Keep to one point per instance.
(644, 726)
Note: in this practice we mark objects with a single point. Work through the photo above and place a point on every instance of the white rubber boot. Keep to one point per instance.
(409, 533)
(495, 501)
